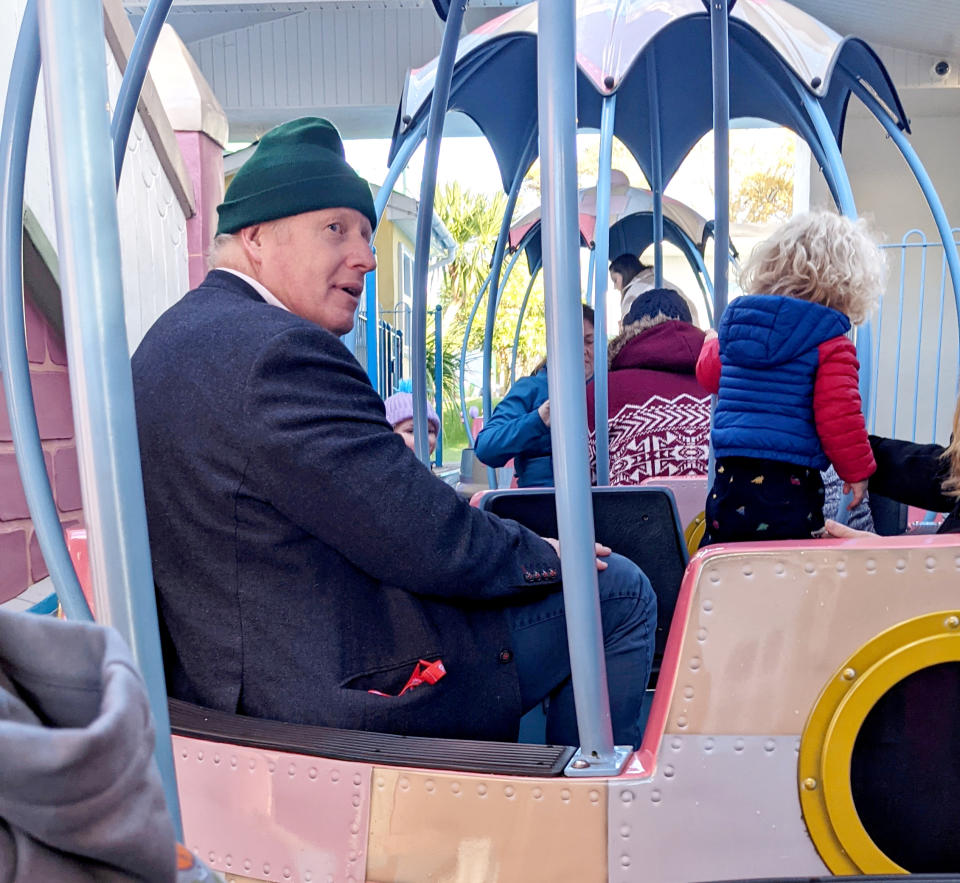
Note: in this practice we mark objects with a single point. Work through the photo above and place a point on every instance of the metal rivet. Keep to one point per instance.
(655, 796)
(668, 772)
(849, 674)
(748, 570)
(625, 861)
(779, 570)
(681, 722)
(455, 788)
(952, 622)
(429, 786)
(608, 82)
(695, 663)
(626, 797)
(580, 764)
(228, 861)
(312, 772)
(335, 777)
(708, 605)
(357, 779)
(810, 784)
(624, 831)
(738, 745)
(708, 745)
(565, 795)
(901, 565)
(714, 577)
(508, 792)
(701, 635)
(688, 692)
(931, 563)
(810, 567)
(769, 746)
(537, 793)
(292, 770)
(482, 790)
(216, 759)
(594, 796)
(841, 567)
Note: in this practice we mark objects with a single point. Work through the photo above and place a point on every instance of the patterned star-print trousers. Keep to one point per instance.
(756, 499)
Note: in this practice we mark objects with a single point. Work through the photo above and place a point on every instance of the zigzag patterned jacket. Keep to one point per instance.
(787, 382)
(659, 414)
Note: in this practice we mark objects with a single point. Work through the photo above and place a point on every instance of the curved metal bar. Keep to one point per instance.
(719, 29)
(916, 366)
(399, 163)
(588, 297)
(133, 77)
(493, 302)
(21, 94)
(923, 179)
(936, 381)
(516, 334)
(601, 238)
(656, 163)
(421, 260)
(463, 359)
(556, 93)
(101, 383)
(438, 377)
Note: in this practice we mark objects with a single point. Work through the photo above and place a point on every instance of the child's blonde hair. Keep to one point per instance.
(820, 257)
(951, 484)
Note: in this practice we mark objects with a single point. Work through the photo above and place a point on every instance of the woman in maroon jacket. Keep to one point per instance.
(659, 415)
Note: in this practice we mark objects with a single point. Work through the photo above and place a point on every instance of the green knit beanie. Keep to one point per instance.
(297, 167)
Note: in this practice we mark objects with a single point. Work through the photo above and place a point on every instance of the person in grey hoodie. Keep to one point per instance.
(80, 795)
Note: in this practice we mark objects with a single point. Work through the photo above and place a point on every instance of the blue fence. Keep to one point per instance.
(390, 349)
(916, 356)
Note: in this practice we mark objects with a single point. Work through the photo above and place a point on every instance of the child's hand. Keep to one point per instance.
(710, 334)
(859, 488)
(544, 412)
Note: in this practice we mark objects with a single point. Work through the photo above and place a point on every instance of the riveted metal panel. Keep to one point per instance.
(446, 828)
(718, 807)
(273, 816)
(767, 629)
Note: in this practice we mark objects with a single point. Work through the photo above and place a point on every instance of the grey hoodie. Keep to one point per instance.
(80, 796)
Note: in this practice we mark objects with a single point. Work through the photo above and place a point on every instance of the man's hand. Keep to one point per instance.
(544, 412)
(859, 488)
(843, 532)
(600, 550)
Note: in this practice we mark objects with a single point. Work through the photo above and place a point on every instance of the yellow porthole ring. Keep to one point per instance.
(826, 746)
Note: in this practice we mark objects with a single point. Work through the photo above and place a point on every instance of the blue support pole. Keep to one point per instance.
(101, 384)
(421, 262)
(556, 79)
(656, 160)
(463, 360)
(379, 206)
(719, 28)
(923, 179)
(21, 94)
(516, 334)
(494, 301)
(591, 263)
(601, 238)
(133, 78)
(438, 377)
(397, 166)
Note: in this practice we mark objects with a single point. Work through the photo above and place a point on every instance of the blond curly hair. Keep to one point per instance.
(821, 257)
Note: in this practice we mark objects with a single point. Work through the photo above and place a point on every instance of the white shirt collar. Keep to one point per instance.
(256, 286)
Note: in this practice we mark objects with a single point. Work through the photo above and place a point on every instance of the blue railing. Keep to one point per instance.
(916, 344)
(390, 367)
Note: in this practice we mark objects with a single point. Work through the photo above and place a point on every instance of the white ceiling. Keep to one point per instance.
(919, 25)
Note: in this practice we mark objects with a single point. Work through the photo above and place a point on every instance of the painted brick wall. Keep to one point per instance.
(21, 563)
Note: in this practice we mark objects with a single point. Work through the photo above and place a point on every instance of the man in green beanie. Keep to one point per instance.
(306, 563)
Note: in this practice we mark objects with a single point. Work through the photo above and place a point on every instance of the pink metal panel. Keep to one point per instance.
(718, 807)
(274, 816)
(690, 492)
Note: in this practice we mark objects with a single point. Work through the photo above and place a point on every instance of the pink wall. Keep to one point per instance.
(21, 563)
(204, 161)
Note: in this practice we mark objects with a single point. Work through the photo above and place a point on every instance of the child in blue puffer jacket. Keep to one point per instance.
(786, 376)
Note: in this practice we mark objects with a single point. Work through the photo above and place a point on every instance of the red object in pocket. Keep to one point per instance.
(423, 673)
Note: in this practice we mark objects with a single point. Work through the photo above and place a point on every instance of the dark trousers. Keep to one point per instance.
(756, 499)
(628, 608)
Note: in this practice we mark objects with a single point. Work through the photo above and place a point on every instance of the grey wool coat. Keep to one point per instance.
(80, 795)
(302, 555)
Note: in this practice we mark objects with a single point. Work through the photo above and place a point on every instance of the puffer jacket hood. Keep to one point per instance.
(80, 795)
(670, 346)
(766, 330)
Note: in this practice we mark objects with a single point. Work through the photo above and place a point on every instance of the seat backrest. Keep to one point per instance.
(637, 522)
(689, 491)
(889, 516)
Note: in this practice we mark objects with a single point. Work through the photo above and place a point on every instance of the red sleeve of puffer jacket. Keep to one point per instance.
(708, 365)
(837, 411)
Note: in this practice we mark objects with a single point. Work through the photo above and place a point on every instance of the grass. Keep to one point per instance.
(454, 435)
